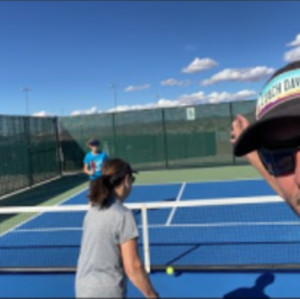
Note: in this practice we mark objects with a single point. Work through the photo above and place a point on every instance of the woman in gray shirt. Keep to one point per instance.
(109, 241)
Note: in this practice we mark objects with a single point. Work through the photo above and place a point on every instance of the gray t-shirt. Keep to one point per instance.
(100, 271)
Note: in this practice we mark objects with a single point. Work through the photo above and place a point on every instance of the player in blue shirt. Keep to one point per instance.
(93, 160)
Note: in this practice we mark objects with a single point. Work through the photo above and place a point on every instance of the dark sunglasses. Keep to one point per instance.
(132, 178)
(279, 162)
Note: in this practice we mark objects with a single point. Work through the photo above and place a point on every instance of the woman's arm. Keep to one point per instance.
(134, 268)
(239, 124)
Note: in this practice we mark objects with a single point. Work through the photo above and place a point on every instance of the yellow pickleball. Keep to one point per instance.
(170, 270)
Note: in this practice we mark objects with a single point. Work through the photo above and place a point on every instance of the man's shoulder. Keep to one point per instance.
(87, 155)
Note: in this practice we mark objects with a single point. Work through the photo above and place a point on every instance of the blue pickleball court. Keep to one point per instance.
(253, 238)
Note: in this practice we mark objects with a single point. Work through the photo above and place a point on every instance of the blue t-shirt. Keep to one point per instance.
(95, 162)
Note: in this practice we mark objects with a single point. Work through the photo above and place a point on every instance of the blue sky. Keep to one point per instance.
(159, 53)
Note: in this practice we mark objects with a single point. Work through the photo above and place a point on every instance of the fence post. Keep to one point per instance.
(114, 133)
(29, 152)
(165, 137)
(59, 151)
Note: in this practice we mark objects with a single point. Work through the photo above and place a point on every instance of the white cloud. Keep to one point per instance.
(92, 110)
(292, 55)
(131, 88)
(243, 74)
(42, 114)
(175, 82)
(195, 98)
(295, 42)
(192, 99)
(198, 65)
(218, 97)
(159, 104)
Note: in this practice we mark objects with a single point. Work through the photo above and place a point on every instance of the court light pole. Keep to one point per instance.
(114, 87)
(27, 90)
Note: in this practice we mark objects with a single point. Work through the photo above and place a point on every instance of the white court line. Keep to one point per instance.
(179, 195)
(71, 197)
(39, 214)
(47, 229)
(178, 225)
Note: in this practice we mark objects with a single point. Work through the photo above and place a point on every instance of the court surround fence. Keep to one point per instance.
(157, 138)
(34, 149)
(29, 152)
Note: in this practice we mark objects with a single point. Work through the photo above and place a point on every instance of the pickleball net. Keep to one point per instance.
(227, 233)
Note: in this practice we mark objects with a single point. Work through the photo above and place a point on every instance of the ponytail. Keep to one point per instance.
(103, 188)
(101, 192)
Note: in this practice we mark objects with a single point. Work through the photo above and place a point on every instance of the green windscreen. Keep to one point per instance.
(139, 138)
(35, 149)
(77, 130)
(28, 152)
(157, 138)
(201, 139)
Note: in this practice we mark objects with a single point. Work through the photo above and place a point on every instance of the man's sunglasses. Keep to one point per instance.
(279, 162)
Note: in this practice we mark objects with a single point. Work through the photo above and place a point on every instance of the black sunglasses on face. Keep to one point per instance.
(279, 162)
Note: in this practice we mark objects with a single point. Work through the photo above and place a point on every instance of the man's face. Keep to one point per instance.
(94, 148)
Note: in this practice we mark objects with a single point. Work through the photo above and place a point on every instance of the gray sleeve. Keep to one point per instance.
(127, 228)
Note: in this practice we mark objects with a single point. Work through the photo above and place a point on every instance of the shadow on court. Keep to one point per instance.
(43, 193)
(47, 191)
(257, 291)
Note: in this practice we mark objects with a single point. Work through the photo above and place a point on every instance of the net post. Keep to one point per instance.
(146, 248)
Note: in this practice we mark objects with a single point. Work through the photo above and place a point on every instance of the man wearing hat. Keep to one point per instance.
(93, 160)
(272, 143)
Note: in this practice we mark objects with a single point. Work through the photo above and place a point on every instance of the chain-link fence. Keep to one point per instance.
(157, 138)
(29, 152)
(33, 150)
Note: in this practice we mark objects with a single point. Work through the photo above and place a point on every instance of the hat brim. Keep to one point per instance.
(94, 143)
(268, 133)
